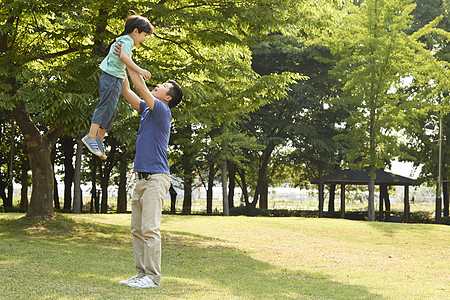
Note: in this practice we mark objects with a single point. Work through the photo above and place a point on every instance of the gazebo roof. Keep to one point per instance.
(361, 177)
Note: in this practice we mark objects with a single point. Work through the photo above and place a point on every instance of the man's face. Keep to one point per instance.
(161, 92)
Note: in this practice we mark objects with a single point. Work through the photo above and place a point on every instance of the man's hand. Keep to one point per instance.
(117, 49)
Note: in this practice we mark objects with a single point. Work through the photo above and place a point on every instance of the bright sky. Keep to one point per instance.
(404, 169)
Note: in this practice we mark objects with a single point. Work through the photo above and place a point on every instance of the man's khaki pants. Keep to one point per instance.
(147, 201)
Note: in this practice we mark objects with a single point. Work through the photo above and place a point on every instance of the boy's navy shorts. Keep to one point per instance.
(110, 88)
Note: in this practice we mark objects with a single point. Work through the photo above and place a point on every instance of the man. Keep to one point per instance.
(152, 169)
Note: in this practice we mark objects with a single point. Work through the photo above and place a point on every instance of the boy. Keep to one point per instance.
(111, 81)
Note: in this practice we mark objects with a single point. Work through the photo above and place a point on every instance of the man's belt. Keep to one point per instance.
(144, 175)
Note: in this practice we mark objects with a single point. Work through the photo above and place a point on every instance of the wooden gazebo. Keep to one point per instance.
(361, 177)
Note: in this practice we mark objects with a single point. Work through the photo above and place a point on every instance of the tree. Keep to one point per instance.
(373, 57)
(420, 148)
(50, 52)
(33, 39)
(296, 129)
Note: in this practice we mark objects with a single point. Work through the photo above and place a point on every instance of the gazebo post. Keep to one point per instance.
(342, 212)
(381, 203)
(321, 198)
(387, 203)
(406, 205)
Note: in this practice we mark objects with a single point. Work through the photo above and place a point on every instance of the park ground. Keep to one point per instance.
(213, 257)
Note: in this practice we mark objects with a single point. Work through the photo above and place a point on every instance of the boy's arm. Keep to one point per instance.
(131, 96)
(126, 59)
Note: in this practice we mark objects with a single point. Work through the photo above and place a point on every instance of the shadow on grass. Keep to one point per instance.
(67, 259)
(389, 229)
(201, 263)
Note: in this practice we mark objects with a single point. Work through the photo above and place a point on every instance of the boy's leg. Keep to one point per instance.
(101, 134)
(93, 130)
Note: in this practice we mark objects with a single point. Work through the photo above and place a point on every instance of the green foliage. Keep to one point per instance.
(299, 125)
(374, 56)
(50, 52)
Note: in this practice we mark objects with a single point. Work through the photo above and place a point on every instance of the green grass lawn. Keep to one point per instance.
(84, 256)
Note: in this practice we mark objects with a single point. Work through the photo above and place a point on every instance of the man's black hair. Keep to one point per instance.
(176, 92)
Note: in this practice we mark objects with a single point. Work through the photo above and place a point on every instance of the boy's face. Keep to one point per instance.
(161, 92)
(139, 37)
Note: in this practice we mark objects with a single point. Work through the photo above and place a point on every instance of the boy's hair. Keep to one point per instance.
(176, 92)
(139, 22)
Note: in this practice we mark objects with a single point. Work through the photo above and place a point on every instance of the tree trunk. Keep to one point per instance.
(41, 203)
(262, 172)
(106, 174)
(250, 207)
(231, 184)
(97, 195)
(187, 173)
(226, 208)
(173, 199)
(122, 191)
(24, 190)
(104, 178)
(39, 150)
(187, 201)
(9, 200)
(94, 196)
(3, 186)
(77, 197)
(406, 205)
(321, 197)
(445, 209)
(55, 191)
(264, 198)
(243, 186)
(387, 202)
(209, 190)
(67, 148)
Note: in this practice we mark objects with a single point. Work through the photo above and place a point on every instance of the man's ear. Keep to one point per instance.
(167, 99)
(136, 31)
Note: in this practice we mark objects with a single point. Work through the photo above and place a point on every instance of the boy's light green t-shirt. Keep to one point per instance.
(112, 64)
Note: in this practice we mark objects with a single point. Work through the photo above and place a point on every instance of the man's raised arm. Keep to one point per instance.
(142, 88)
(131, 96)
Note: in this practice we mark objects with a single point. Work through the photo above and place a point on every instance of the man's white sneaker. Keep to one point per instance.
(144, 282)
(130, 280)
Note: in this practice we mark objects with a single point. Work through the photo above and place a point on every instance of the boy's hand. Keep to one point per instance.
(145, 74)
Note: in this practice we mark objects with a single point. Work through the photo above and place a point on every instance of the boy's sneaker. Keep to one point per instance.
(143, 283)
(101, 147)
(91, 145)
(130, 280)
